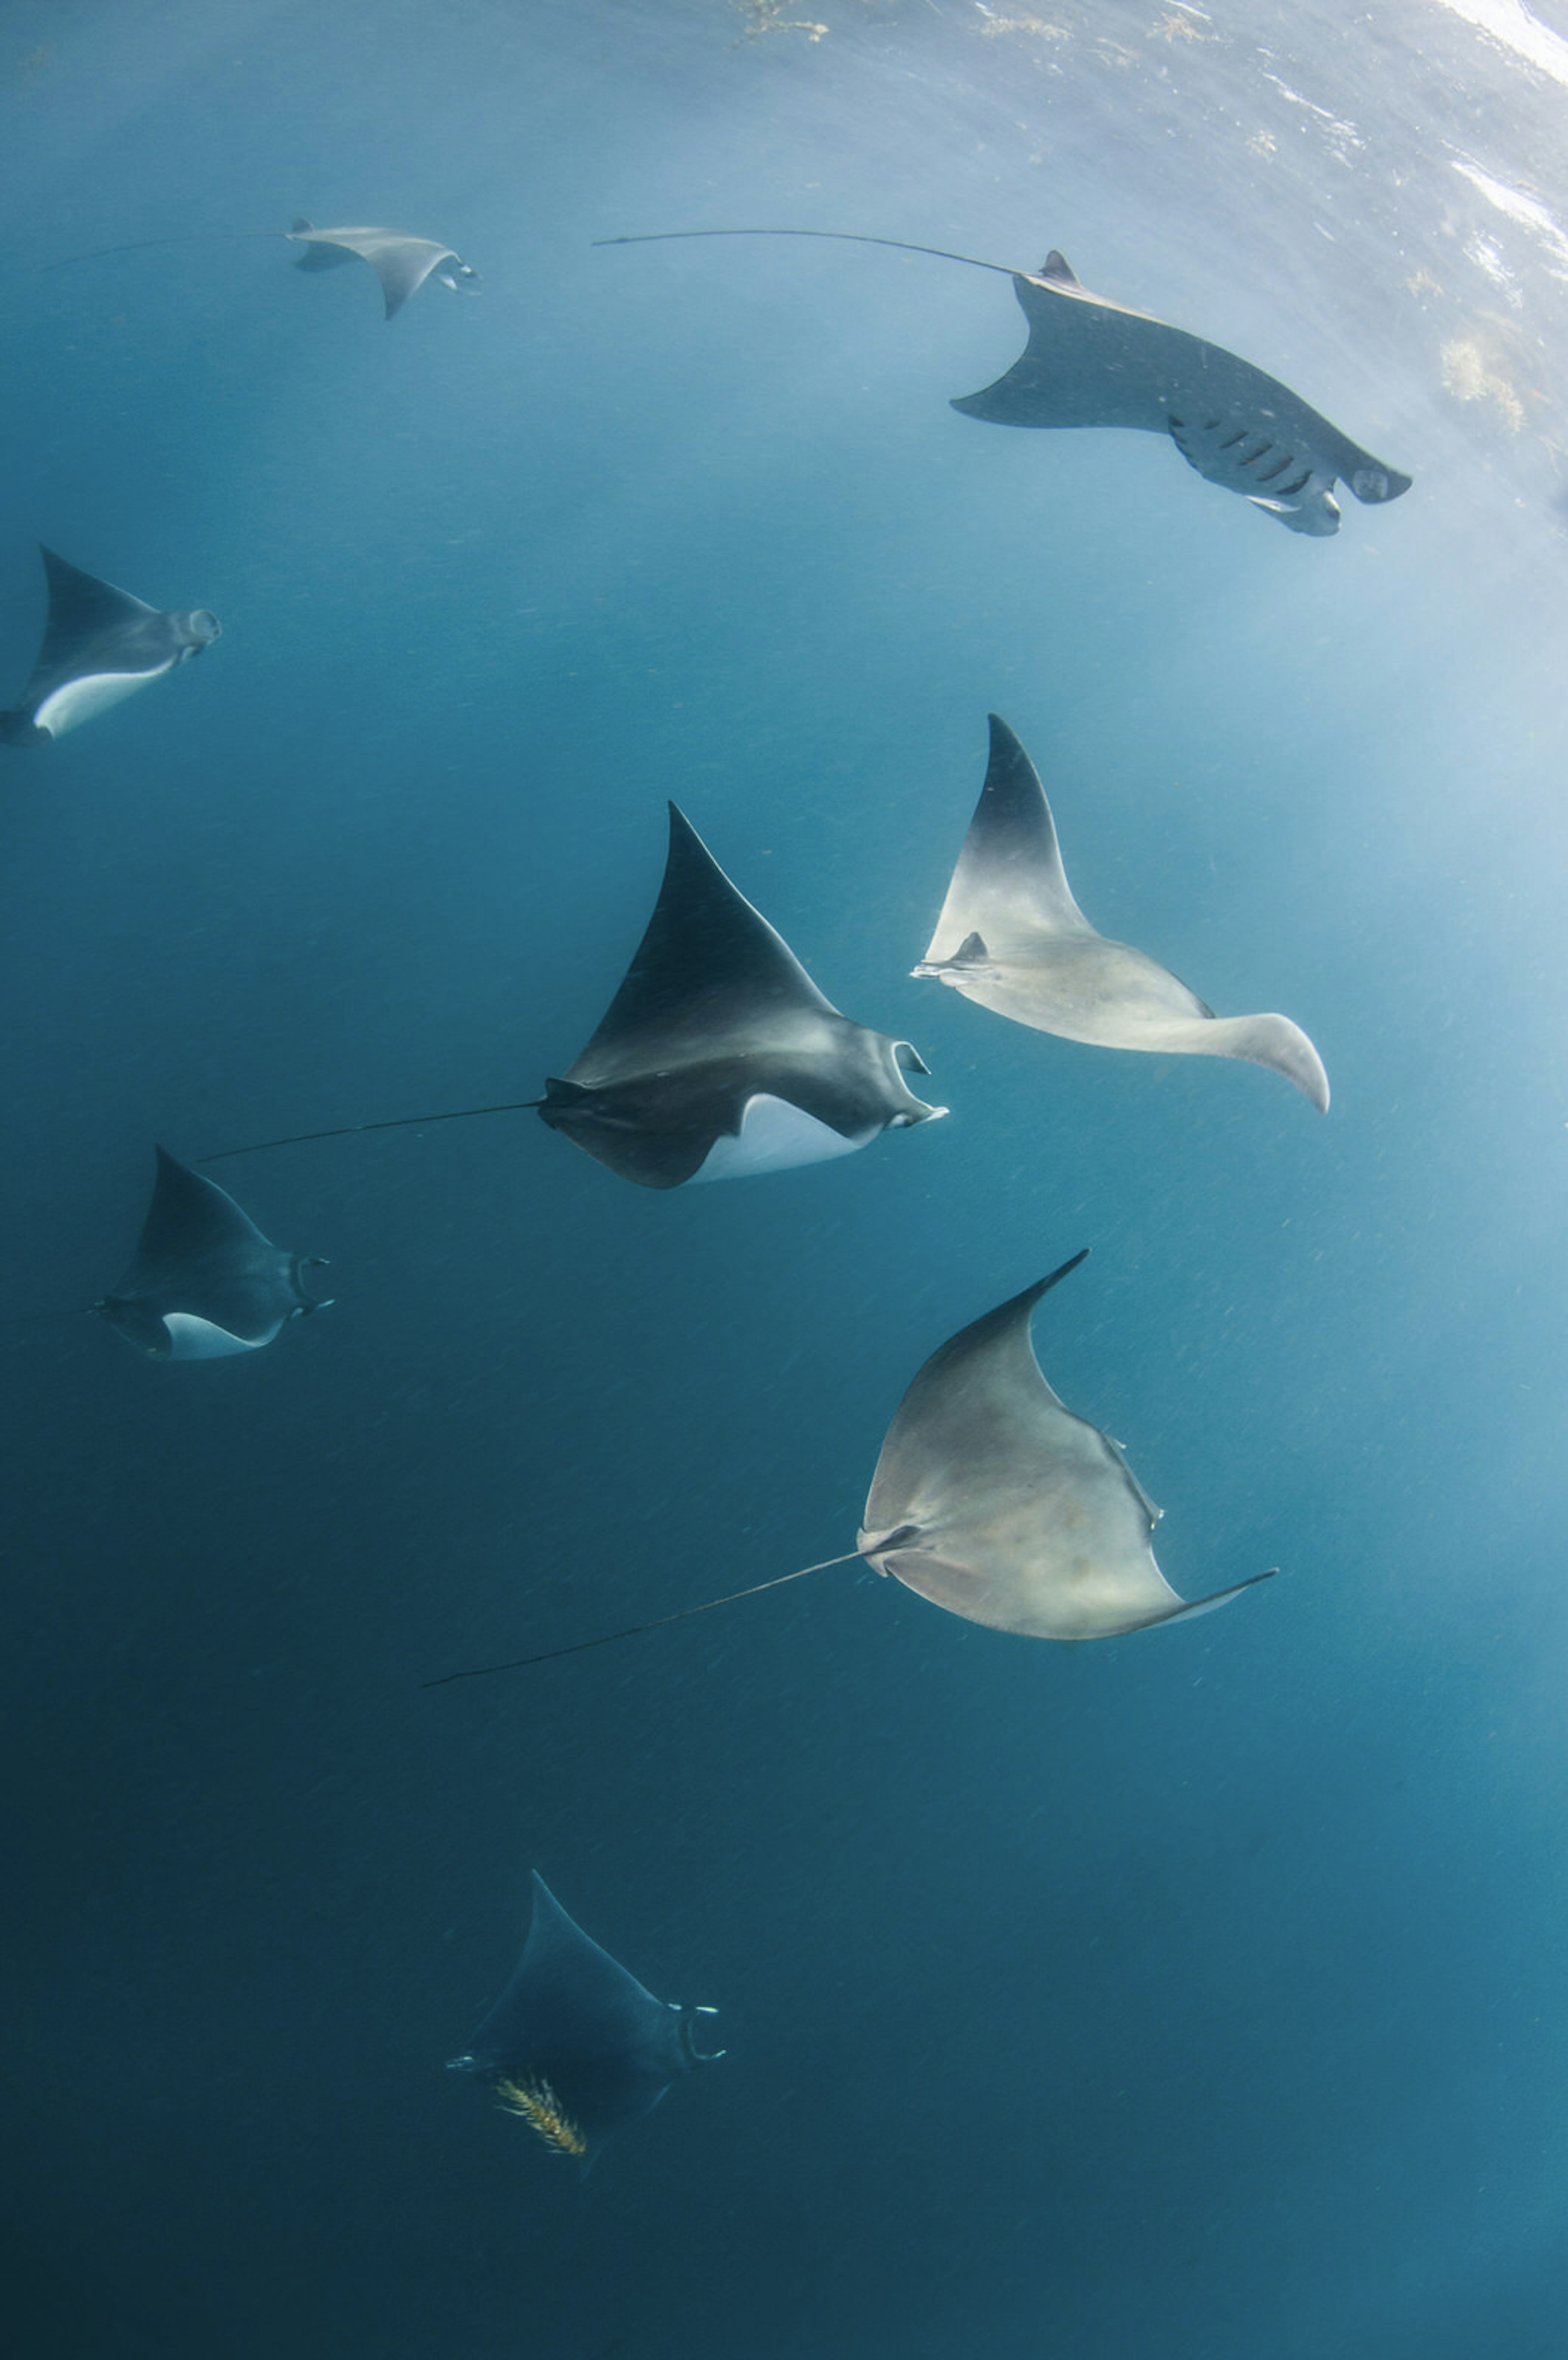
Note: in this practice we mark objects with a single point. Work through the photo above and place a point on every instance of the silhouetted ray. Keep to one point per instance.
(575, 2045)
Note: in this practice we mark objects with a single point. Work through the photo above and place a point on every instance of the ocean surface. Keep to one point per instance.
(1195, 1995)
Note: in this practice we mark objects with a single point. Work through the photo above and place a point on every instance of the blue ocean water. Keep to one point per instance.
(1194, 1995)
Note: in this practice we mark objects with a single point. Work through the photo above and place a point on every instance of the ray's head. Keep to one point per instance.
(200, 628)
(691, 2025)
(460, 276)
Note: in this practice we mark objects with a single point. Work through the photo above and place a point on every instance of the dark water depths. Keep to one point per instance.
(1198, 1994)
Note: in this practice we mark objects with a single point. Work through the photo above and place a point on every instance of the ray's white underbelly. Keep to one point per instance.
(190, 1339)
(1101, 993)
(775, 1137)
(83, 700)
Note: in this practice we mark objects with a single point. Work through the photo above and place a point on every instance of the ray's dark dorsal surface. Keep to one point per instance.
(402, 263)
(718, 1056)
(1091, 362)
(995, 1501)
(99, 644)
(203, 1283)
(575, 2045)
(1011, 937)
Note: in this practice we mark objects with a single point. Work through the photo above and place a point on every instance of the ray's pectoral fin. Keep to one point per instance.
(1212, 1604)
(1274, 1041)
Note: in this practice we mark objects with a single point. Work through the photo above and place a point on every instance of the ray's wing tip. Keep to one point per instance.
(1191, 1609)
(1064, 1271)
(1043, 1286)
(1279, 1045)
(1311, 1079)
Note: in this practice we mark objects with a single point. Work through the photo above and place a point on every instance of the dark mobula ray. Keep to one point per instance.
(402, 263)
(995, 1501)
(719, 1055)
(1090, 362)
(203, 1282)
(100, 645)
(1011, 936)
(575, 2045)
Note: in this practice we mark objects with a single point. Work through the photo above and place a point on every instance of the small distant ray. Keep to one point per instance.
(993, 1500)
(100, 646)
(1011, 937)
(575, 2045)
(401, 263)
(203, 1283)
(1091, 362)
